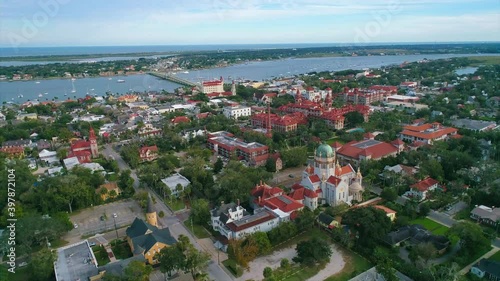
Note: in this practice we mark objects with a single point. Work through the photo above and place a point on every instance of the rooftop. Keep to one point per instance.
(75, 262)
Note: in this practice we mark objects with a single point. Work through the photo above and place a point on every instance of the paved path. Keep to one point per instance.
(485, 256)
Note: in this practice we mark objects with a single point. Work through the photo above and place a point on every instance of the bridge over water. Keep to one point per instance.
(172, 78)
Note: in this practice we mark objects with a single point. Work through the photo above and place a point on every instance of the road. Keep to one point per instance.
(170, 220)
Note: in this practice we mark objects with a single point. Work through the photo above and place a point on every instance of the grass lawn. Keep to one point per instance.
(496, 256)
(199, 231)
(301, 237)
(485, 60)
(299, 273)
(121, 249)
(175, 204)
(432, 226)
(101, 255)
(233, 267)
(354, 265)
(58, 243)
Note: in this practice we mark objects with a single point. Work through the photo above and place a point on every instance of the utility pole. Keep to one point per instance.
(114, 219)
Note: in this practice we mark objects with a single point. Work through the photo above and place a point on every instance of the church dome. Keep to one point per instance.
(355, 187)
(324, 150)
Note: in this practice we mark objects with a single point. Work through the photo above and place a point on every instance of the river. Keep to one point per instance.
(259, 70)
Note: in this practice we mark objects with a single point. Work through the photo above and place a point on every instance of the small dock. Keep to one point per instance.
(172, 78)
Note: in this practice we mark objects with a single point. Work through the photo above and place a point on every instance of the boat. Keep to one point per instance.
(73, 79)
(120, 81)
(186, 72)
(40, 95)
(46, 93)
(110, 78)
(37, 82)
(73, 84)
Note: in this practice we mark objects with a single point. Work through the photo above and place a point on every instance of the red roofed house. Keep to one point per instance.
(421, 188)
(354, 152)
(391, 214)
(180, 119)
(326, 182)
(148, 153)
(85, 150)
(427, 133)
(13, 151)
(149, 131)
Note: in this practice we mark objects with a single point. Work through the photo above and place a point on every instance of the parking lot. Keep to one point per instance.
(100, 219)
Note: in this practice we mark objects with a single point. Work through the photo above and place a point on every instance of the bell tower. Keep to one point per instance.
(93, 143)
(150, 213)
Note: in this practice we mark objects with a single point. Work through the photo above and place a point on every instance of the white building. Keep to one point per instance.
(234, 222)
(173, 181)
(215, 86)
(325, 181)
(71, 162)
(48, 156)
(236, 111)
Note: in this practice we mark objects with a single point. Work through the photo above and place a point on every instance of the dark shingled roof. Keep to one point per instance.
(324, 218)
(139, 227)
(489, 266)
(145, 242)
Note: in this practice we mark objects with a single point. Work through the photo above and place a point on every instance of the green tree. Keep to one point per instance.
(424, 209)
(137, 271)
(423, 252)
(196, 261)
(171, 259)
(42, 264)
(270, 165)
(262, 241)
(312, 251)
(285, 264)
(472, 239)
(268, 272)
(218, 166)
(294, 157)
(200, 211)
(353, 119)
(389, 194)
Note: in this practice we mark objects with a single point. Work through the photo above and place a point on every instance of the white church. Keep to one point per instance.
(325, 181)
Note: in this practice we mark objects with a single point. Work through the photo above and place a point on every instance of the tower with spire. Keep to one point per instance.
(269, 132)
(298, 97)
(233, 89)
(150, 213)
(93, 143)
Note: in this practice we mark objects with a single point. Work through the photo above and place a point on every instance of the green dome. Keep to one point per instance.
(324, 150)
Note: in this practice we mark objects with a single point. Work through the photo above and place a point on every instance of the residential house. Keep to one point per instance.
(48, 157)
(147, 240)
(17, 143)
(112, 190)
(179, 120)
(176, 183)
(487, 269)
(327, 221)
(148, 153)
(236, 111)
(391, 214)
(416, 234)
(420, 189)
(149, 131)
(475, 125)
(13, 152)
(486, 215)
(234, 222)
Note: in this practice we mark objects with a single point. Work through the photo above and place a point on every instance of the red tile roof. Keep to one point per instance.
(144, 149)
(180, 119)
(385, 209)
(334, 180)
(265, 191)
(377, 149)
(283, 202)
(79, 144)
(314, 178)
(424, 184)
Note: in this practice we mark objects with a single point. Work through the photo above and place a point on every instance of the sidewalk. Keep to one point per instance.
(485, 256)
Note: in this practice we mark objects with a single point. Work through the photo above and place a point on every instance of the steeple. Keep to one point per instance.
(269, 127)
(150, 213)
(233, 89)
(298, 97)
(93, 143)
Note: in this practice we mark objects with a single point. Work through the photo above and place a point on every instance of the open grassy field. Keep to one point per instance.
(487, 60)
(432, 226)
(199, 231)
(175, 204)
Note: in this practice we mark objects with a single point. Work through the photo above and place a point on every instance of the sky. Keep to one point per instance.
(40, 23)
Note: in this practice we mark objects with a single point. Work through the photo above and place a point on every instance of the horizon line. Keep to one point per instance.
(260, 44)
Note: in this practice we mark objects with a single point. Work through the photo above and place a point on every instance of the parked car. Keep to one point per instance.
(92, 244)
(115, 215)
(291, 176)
(75, 225)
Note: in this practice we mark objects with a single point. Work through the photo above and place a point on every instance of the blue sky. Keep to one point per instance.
(28, 23)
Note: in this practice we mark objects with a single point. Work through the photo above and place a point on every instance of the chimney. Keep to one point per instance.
(238, 202)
